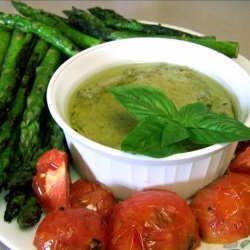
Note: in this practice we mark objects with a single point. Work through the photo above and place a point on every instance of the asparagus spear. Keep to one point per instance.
(30, 213)
(20, 199)
(30, 140)
(19, 184)
(80, 39)
(45, 32)
(112, 19)
(5, 35)
(56, 135)
(14, 62)
(20, 180)
(19, 103)
(93, 26)
(89, 24)
(14, 205)
(6, 155)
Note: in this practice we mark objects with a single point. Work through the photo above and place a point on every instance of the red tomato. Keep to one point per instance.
(222, 209)
(92, 196)
(71, 229)
(153, 219)
(241, 162)
(51, 182)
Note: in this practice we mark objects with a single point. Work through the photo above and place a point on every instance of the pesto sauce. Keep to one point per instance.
(94, 112)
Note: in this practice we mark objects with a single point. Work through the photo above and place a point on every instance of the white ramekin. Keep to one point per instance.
(126, 173)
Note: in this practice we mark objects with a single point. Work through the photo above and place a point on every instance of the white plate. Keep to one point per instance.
(16, 239)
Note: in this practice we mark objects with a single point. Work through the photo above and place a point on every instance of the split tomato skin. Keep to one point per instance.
(153, 219)
(92, 195)
(71, 229)
(51, 182)
(222, 209)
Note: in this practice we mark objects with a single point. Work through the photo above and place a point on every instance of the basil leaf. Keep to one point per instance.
(191, 114)
(216, 128)
(173, 132)
(146, 139)
(162, 131)
(144, 101)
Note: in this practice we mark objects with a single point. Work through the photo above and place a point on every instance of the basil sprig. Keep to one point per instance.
(162, 130)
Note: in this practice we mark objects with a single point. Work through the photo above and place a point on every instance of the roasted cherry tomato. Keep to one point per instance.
(153, 219)
(241, 162)
(93, 196)
(71, 229)
(51, 182)
(222, 209)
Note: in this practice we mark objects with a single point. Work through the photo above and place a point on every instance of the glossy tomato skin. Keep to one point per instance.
(51, 181)
(71, 229)
(241, 162)
(222, 209)
(153, 219)
(92, 195)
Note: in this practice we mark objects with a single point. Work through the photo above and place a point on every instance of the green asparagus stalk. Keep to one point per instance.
(6, 156)
(80, 39)
(14, 62)
(93, 26)
(19, 103)
(112, 19)
(51, 35)
(14, 205)
(30, 140)
(5, 35)
(20, 180)
(57, 137)
(20, 190)
(29, 214)
(90, 25)
(228, 48)
(85, 22)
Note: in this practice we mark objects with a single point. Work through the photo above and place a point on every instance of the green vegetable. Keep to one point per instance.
(80, 39)
(19, 103)
(45, 32)
(30, 139)
(19, 180)
(89, 24)
(57, 138)
(5, 35)
(29, 214)
(6, 155)
(163, 130)
(14, 63)
(93, 26)
(112, 19)
(13, 206)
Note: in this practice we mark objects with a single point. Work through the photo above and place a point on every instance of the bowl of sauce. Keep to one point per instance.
(94, 123)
